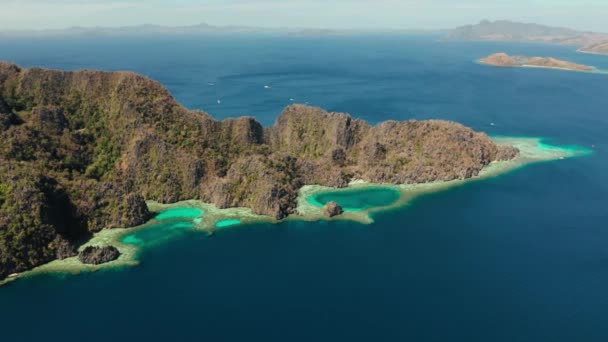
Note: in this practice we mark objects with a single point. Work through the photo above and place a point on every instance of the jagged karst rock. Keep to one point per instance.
(506, 153)
(333, 209)
(132, 212)
(84, 150)
(64, 249)
(338, 156)
(98, 255)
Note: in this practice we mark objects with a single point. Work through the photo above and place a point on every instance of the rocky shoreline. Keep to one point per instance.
(532, 150)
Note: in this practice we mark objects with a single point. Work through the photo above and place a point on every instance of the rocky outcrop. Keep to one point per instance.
(64, 249)
(332, 209)
(84, 150)
(94, 255)
(344, 148)
(500, 59)
(506, 153)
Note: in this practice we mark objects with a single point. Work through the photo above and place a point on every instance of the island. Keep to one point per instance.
(95, 164)
(504, 60)
(505, 30)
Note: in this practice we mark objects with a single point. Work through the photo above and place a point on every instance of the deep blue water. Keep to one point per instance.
(521, 257)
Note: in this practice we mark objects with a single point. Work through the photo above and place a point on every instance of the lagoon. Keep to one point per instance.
(179, 213)
(357, 199)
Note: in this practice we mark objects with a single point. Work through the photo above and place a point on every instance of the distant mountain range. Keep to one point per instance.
(147, 29)
(200, 29)
(504, 30)
(500, 30)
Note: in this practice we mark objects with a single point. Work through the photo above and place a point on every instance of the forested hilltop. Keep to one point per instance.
(82, 151)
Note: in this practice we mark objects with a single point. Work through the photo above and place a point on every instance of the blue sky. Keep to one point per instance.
(407, 14)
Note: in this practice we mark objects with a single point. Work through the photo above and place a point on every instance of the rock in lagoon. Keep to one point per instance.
(98, 255)
(332, 209)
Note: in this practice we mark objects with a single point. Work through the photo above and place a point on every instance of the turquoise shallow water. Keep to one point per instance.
(170, 223)
(179, 213)
(227, 223)
(158, 233)
(520, 257)
(357, 199)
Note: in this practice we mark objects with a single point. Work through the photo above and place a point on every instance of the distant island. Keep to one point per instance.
(202, 29)
(85, 151)
(598, 48)
(504, 30)
(148, 29)
(504, 60)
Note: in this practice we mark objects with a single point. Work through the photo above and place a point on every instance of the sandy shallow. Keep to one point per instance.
(532, 150)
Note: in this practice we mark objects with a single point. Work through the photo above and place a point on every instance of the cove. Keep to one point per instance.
(357, 199)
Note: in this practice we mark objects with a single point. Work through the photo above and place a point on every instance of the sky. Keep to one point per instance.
(339, 14)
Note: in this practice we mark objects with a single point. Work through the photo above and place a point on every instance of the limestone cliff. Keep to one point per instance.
(82, 151)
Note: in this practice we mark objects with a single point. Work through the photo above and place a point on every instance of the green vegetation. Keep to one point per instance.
(4, 189)
(105, 155)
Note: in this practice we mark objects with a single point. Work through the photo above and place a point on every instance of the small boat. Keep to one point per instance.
(291, 100)
(13, 275)
(492, 124)
(267, 87)
(219, 101)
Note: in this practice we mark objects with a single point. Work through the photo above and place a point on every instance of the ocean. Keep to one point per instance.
(519, 257)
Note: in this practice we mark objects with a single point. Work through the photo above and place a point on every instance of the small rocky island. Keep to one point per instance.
(333, 209)
(98, 255)
(83, 151)
(504, 60)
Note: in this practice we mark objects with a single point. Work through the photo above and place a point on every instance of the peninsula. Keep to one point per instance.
(84, 151)
(504, 60)
(597, 48)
